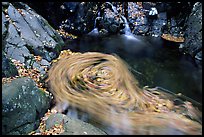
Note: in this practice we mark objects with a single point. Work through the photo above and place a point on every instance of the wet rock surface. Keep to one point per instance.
(23, 104)
(108, 21)
(82, 17)
(75, 17)
(193, 32)
(103, 18)
(72, 126)
(144, 25)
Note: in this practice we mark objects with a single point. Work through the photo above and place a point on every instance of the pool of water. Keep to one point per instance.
(153, 61)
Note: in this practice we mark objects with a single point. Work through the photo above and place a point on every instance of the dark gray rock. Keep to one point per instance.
(25, 33)
(35, 30)
(111, 20)
(75, 17)
(80, 17)
(5, 3)
(71, 6)
(15, 46)
(23, 104)
(44, 62)
(193, 32)
(139, 30)
(28, 33)
(39, 67)
(72, 126)
(8, 68)
(172, 13)
(4, 29)
(50, 11)
(198, 56)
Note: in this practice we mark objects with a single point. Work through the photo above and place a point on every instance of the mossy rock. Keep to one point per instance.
(23, 104)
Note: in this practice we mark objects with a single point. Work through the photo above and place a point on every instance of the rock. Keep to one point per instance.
(198, 56)
(148, 5)
(5, 3)
(114, 28)
(142, 24)
(91, 18)
(173, 14)
(8, 68)
(94, 32)
(28, 33)
(39, 67)
(44, 62)
(71, 6)
(72, 126)
(80, 16)
(14, 45)
(23, 104)
(111, 21)
(193, 32)
(4, 29)
(50, 11)
(142, 29)
(103, 32)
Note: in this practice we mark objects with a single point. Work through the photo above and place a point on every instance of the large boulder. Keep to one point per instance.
(25, 33)
(50, 11)
(23, 104)
(193, 32)
(72, 126)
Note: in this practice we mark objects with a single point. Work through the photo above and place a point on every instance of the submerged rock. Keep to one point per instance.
(23, 104)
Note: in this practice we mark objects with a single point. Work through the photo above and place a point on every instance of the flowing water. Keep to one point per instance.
(97, 85)
(99, 89)
(151, 60)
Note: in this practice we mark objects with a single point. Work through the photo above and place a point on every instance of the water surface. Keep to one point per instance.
(153, 61)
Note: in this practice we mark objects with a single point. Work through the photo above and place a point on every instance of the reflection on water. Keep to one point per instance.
(102, 86)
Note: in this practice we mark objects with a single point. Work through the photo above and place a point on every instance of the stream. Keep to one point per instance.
(123, 68)
(152, 61)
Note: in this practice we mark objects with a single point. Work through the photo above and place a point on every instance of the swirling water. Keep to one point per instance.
(151, 61)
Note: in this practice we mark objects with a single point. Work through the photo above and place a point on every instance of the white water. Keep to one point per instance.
(73, 113)
(96, 21)
(128, 34)
(127, 30)
(113, 7)
(95, 31)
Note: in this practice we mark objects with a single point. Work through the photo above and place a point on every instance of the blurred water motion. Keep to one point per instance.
(102, 86)
(157, 64)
